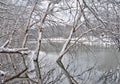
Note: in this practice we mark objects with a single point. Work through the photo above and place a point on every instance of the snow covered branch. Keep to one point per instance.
(59, 60)
(13, 50)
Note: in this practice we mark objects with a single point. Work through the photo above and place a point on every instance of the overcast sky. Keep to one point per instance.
(65, 16)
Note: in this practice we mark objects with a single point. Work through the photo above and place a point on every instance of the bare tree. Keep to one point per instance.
(31, 28)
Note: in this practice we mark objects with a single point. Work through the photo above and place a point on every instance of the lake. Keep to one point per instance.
(86, 63)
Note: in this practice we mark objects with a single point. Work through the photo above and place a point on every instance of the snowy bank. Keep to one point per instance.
(89, 40)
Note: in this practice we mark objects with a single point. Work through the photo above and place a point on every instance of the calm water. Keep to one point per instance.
(103, 58)
(83, 57)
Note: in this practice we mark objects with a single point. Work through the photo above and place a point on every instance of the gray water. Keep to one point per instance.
(80, 58)
(104, 58)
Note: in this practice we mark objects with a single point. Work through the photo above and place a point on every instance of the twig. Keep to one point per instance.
(15, 76)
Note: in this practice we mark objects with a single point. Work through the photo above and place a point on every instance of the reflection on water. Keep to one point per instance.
(81, 58)
(103, 58)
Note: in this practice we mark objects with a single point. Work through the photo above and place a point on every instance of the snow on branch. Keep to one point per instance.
(31, 66)
(5, 44)
(13, 50)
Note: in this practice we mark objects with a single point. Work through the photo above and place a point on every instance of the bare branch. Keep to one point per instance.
(15, 76)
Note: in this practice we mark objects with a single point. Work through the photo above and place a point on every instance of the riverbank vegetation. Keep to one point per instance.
(26, 30)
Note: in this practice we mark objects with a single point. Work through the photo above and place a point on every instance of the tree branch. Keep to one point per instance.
(13, 50)
(15, 76)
